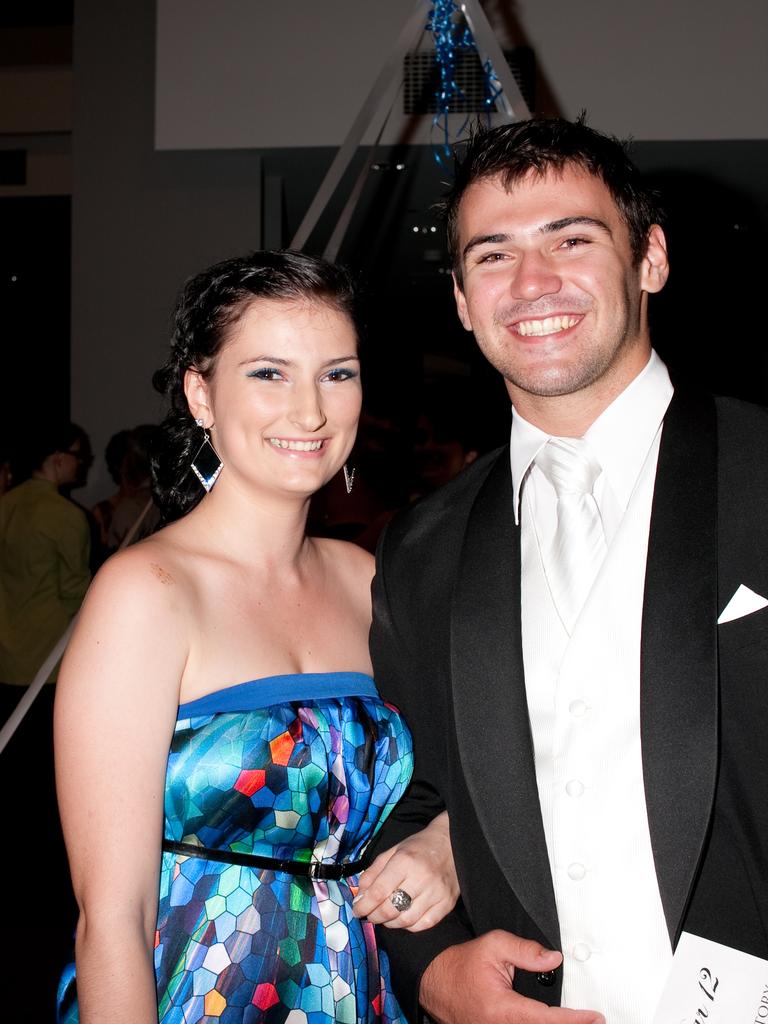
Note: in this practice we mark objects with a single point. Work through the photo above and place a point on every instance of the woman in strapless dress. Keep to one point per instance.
(223, 756)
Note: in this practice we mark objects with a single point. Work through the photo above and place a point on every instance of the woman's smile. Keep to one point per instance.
(296, 447)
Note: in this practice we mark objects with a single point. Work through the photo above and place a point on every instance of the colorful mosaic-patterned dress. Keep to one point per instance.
(301, 768)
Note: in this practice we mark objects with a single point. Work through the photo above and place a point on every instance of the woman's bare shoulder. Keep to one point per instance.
(134, 628)
(351, 568)
(348, 558)
(153, 573)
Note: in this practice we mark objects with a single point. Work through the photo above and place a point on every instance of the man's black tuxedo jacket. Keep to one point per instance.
(447, 651)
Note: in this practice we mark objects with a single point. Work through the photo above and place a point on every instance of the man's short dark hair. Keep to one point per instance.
(541, 145)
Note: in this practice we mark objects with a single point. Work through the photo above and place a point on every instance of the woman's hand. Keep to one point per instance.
(421, 866)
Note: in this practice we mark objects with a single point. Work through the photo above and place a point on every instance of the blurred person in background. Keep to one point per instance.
(444, 446)
(128, 460)
(114, 453)
(44, 546)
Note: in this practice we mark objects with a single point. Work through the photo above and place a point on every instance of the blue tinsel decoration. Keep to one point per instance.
(492, 87)
(452, 35)
(449, 36)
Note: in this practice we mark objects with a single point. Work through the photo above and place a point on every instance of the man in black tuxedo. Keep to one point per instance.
(604, 764)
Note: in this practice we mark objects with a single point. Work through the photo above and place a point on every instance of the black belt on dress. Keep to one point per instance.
(305, 868)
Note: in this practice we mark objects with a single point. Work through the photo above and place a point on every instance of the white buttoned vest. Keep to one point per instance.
(584, 701)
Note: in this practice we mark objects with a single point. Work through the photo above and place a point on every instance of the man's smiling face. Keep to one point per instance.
(549, 286)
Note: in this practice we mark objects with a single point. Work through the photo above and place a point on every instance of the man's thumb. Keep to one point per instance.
(524, 953)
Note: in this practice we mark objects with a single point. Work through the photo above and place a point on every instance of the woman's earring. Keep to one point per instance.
(206, 465)
(349, 478)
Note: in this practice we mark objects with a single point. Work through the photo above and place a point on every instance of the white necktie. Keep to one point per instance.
(578, 548)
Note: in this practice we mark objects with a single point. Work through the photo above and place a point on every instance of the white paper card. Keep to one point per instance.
(713, 984)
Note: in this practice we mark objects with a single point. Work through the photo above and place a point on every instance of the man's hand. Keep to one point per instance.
(472, 984)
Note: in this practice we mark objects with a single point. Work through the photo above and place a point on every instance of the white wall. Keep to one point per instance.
(265, 74)
(142, 222)
(657, 69)
(256, 73)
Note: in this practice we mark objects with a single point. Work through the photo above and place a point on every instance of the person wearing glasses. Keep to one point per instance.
(44, 549)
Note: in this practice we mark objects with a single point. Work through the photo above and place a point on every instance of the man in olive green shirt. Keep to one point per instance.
(44, 547)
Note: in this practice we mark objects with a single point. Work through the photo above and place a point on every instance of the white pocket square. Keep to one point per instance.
(743, 602)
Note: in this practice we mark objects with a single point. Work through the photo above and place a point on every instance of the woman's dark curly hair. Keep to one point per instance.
(209, 304)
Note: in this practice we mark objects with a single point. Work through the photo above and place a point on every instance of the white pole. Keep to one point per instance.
(30, 692)
(382, 94)
(510, 99)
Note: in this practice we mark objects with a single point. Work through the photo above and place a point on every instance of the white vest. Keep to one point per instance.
(584, 701)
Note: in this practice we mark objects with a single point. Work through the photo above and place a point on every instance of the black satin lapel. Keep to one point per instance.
(490, 705)
(679, 689)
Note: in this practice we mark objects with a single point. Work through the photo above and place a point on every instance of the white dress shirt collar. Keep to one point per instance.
(620, 437)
